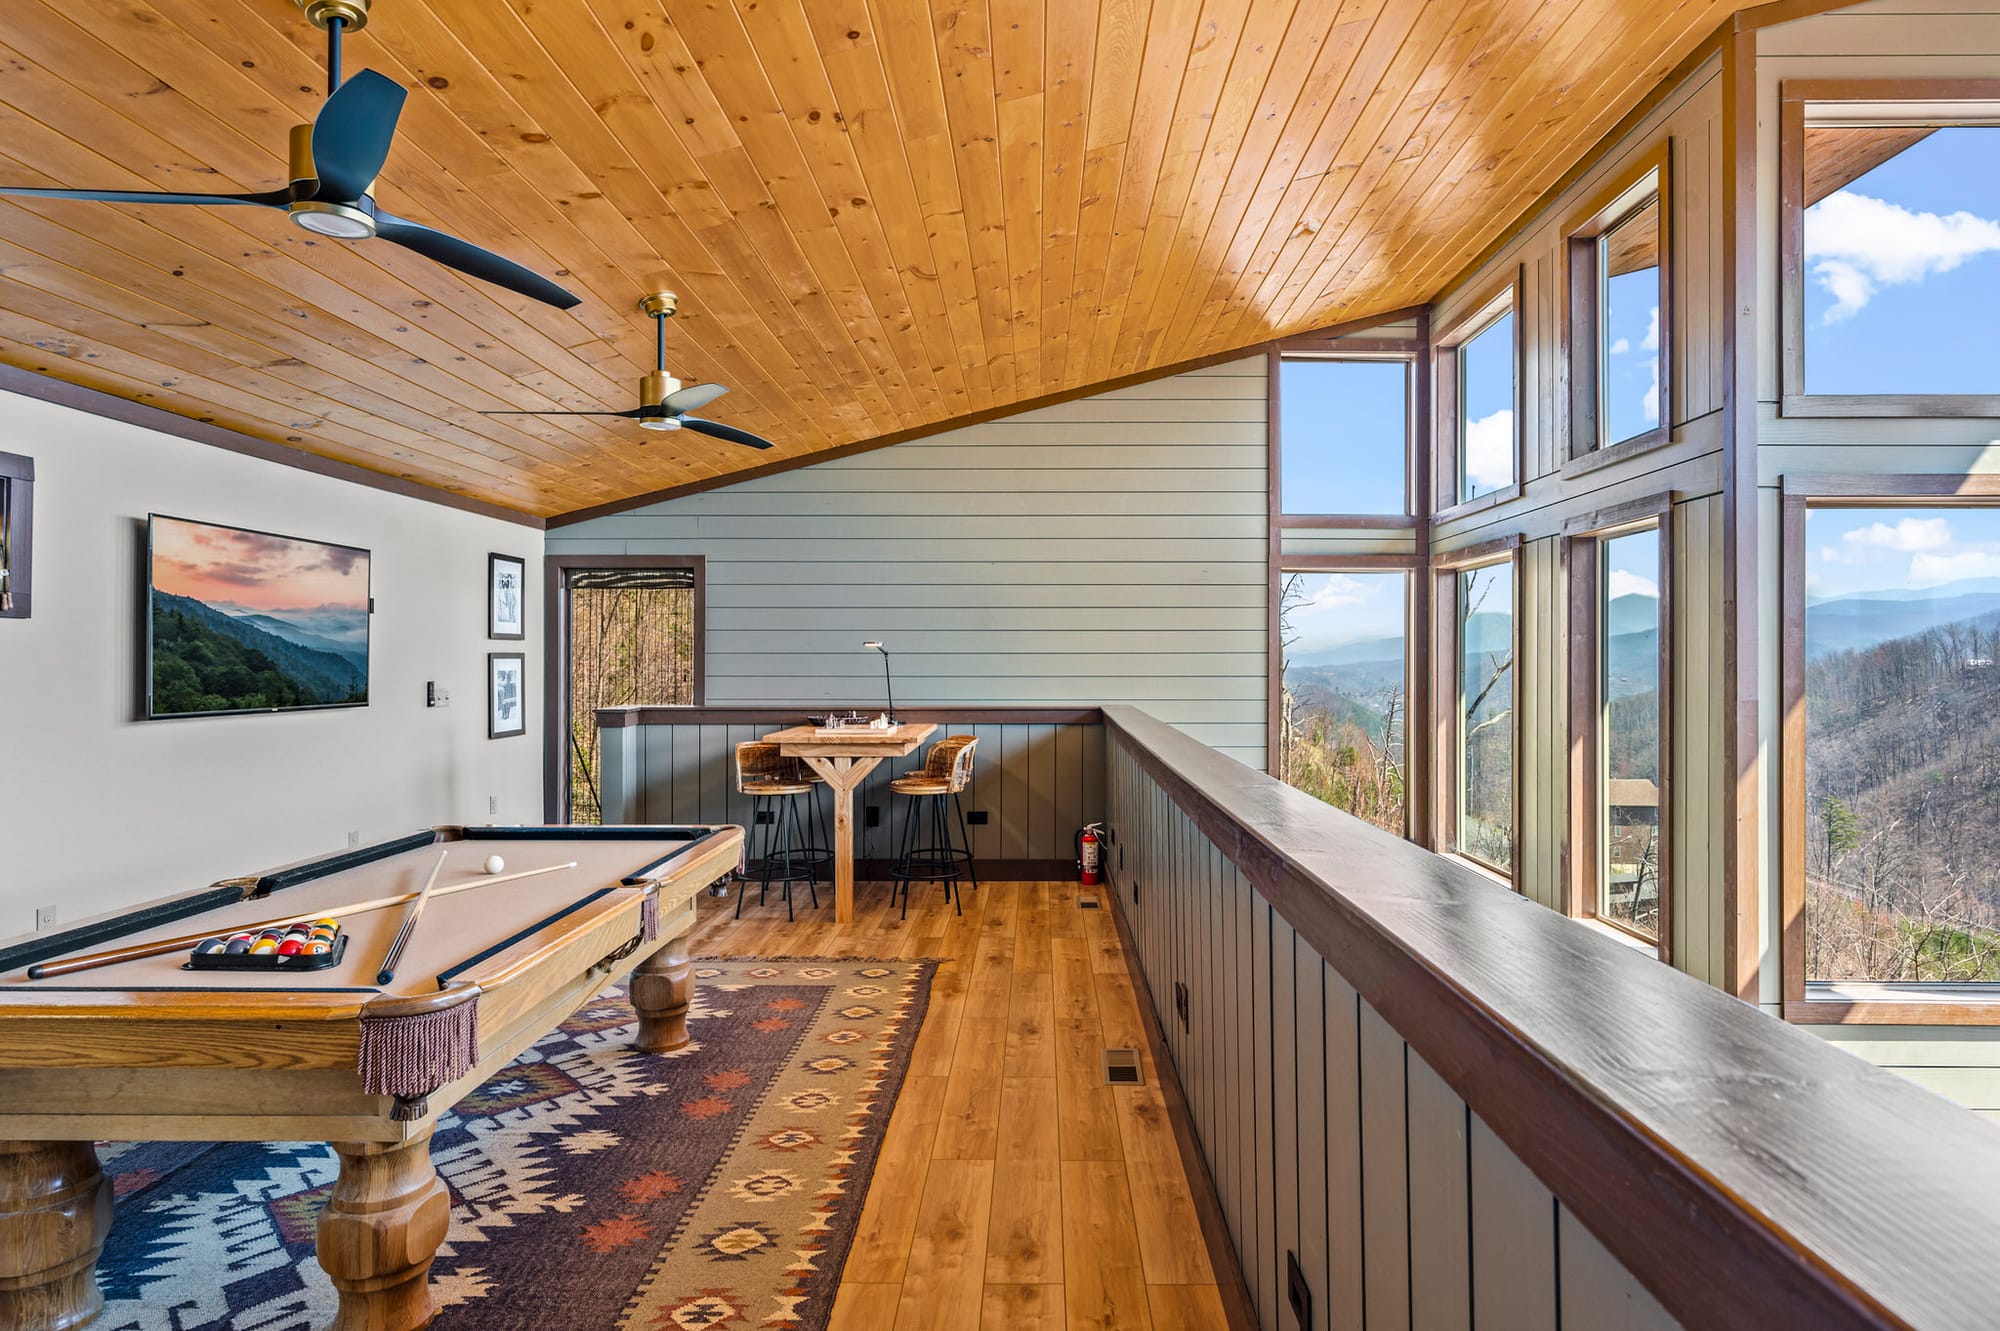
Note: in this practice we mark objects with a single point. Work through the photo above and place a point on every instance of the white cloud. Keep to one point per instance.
(1621, 346)
(1909, 535)
(1626, 583)
(1927, 569)
(1856, 243)
(1489, 450)
(1652, 342)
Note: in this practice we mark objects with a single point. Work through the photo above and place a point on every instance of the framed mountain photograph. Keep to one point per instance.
(248, 621)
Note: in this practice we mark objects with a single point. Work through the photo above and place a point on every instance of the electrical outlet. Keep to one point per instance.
(872, 817)
(492, 804)
(977, 817)
(45, 918)
(436, 695)
(353, 839)
(764, 816)
(1297, 1292)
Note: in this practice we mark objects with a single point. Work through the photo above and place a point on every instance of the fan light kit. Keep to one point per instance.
(663, 403)
(334, 162)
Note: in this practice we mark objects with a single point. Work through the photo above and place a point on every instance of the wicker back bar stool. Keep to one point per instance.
(775, 784)
(946, 772)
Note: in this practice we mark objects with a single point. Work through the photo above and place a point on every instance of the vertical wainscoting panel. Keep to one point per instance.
(1327, 1135)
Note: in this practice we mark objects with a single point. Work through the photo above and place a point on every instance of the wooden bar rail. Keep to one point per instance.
(1356, 1002)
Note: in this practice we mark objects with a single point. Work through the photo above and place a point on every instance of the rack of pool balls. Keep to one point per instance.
(309, 945)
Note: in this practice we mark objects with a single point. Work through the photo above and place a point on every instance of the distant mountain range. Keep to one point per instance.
(259, 661)
(1863, 619)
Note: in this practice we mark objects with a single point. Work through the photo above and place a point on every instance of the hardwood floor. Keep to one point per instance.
(1015, 1189)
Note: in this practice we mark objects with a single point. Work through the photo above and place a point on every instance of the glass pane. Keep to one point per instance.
(1902, 801)
(1486, 409)
(1628, 326)
(630, 646)
(1346, 691)
(1902, 259)
(1629, 731)
(1343, 436)
(1486, 715)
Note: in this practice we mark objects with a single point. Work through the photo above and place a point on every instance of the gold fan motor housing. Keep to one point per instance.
(655, 386)
(353, 14)
(660, 304)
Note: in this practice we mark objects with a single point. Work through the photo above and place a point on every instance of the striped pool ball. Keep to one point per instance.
(319, 947)
(236, 947)
(291, 947)
(209, 946)
(328, 921)
(263, 947)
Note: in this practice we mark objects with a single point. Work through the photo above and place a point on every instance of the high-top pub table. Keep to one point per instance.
(145, 1050)
(845, 758)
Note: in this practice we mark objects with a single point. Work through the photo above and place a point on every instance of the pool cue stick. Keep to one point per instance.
(402, 938)
(112, 956)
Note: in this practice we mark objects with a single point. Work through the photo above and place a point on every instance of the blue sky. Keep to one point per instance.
(1632, 357)
(1877, 549)
(1342, 432)
(1347, 607)
(1486, 403)
(1632, 565)
(1903, 272)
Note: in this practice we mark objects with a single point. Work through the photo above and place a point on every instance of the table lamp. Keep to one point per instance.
(887, 687)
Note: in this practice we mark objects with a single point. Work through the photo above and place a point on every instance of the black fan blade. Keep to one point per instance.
(717, 430)
(692, 398)
(352, 133)
(276, 198)
(636, 414)
(469, 258)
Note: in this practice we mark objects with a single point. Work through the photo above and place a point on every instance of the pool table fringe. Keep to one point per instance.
(409, 1055)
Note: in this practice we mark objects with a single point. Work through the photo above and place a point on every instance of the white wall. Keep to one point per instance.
(1110, 549)
(98, 810)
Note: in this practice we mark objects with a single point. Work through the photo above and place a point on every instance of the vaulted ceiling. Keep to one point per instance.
(879, 215)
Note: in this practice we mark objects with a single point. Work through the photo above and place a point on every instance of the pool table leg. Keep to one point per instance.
(662, 987)
(55, 1209)
(379, 1231)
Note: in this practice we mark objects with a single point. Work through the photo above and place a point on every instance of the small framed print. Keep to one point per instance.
(506, 694)
(506, 597)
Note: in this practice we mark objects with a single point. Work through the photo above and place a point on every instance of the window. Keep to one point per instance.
(1620, 725)
(1892, 698)
(1620, 324)
(1477, 369)
(1481, 821)
(625, 631)
(1891, 248)
(1344, 715)
(1344, 427)
(17, 535)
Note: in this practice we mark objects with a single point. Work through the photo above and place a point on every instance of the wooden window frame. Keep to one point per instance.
(1793, 97)
(1625, 194)
(1505, 295)
(1845, 491)
(17, 519)
(1416, 686)
(1351, 342)
(555, 658)
(1583, 541)
(1447, 701)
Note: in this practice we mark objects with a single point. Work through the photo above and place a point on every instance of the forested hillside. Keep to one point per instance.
(205, 661)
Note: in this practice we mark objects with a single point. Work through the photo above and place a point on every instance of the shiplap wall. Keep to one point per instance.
(1110, 549)
(1325, 1133)
(1885, 39)
(1556, 489)
(1037, 783)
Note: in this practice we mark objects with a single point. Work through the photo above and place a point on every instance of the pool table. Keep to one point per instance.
(145, 1049)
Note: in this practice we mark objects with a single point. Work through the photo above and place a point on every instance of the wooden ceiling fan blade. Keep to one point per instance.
(717, 430)
(692, 398)
(470, 259)
(269, 199)
(352, 133)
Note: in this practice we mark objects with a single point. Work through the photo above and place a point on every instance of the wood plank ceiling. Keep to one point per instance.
(879, 215)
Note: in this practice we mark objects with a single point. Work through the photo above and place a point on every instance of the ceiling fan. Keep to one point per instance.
(663, 403)
(334, 162)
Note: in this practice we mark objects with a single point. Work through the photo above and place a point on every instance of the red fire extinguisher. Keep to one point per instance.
(1086, 854)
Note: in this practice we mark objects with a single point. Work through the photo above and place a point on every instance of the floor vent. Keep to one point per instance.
(1121, 1067)
(1087, 903)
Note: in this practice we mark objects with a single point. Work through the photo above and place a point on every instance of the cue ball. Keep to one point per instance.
(494, 864)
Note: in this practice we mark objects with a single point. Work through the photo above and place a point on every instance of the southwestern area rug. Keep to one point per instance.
(592, 1187)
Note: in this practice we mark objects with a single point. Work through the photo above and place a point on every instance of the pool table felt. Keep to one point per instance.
(452, 930)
